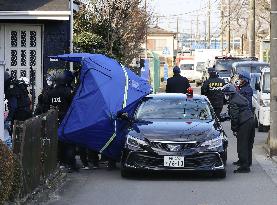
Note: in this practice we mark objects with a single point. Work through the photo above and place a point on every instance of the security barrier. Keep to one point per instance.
(35, 145)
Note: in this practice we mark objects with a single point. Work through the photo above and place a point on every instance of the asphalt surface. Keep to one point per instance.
(102, 187)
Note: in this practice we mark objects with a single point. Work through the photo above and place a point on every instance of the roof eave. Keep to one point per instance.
(35, 15)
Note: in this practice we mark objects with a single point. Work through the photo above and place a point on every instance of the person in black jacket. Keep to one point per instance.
(60, 97)
(244, 86)
(212, 88)
(177, 83)
(19, 103)
(242, 125)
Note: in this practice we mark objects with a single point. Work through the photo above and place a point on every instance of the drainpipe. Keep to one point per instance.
(2, 100)
(71, 31)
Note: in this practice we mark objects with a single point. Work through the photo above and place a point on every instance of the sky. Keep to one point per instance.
(186, 10)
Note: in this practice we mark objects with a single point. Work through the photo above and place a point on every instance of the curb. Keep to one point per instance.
(266, 148)
(43, 192)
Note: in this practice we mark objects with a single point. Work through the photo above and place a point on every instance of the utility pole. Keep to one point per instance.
(177, 36)
(222, 27)
(252, 38)
(242, 44)
(205, 40)
(229, 27)
(191, 35)
(273, 76)
(209, 25)
(197, 29)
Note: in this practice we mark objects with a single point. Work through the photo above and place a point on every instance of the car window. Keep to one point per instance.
(174, 109)
(255, 77)
(244, 68)
(186, 66)
(266, 86)
(224, 65)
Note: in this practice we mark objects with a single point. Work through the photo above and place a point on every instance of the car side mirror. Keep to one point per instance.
(123, 116)
(257, 86)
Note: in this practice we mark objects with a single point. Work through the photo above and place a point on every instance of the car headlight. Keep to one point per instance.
(214, 143)
(265, 103)
(135, 142)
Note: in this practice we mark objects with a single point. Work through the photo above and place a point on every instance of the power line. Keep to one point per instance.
(233, 18)
(190, 12)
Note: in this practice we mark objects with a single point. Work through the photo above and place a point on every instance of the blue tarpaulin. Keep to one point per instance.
(106, 88)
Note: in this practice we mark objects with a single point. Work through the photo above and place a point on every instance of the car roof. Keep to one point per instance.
(266, 69)
(177, 96)
(250, 63)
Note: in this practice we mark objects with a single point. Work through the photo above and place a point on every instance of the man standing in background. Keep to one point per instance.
(177, 83)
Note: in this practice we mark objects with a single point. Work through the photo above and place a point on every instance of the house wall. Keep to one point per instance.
(55, 40)
(164, 41)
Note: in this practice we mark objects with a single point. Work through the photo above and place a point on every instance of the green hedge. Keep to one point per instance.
(10, 175)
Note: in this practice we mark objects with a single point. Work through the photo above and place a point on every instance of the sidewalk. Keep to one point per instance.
(261, 154)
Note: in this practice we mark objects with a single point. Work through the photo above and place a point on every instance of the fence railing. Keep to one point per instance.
(35, 144)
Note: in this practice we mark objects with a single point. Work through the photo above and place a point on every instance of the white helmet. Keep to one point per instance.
(24, 80)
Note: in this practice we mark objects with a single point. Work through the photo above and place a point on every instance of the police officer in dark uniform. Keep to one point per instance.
(177, 83)
(212, 88)
(242, 125)
(43, 102)
(60, 96)
(244, 86)
(19, 103)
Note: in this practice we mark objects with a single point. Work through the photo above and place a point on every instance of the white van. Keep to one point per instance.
(261, 99)
(202, 59)
(187, 69)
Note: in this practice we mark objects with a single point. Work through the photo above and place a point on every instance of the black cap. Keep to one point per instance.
(211, 70)
(176, 69)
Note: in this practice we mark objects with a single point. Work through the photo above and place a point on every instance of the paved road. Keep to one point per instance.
(101, 187)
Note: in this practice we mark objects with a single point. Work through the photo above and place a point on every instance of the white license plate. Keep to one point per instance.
(174, 161)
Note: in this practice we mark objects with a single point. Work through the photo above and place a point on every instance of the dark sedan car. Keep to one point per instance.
(175, 132)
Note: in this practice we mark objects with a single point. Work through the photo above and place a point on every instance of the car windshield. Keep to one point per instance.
(224, 65)
(200, 66)
(266, 86)
(224, 73)
(192, 109)
(186, 66)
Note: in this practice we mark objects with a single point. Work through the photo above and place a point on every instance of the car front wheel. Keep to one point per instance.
(220, 174)
(125, 173)
(261, 127)
(256, 121)
(225, 157)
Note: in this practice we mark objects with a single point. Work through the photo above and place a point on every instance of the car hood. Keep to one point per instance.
(176, 130)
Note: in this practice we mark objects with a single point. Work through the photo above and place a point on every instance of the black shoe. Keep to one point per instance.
(111, 166)
(72, 169)
(242, 170)
(236, 163)
(95, 166)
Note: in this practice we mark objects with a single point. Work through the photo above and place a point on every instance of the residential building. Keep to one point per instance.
(30, 31)
(162, 42)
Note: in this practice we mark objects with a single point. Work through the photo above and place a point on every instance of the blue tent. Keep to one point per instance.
(106, 88)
